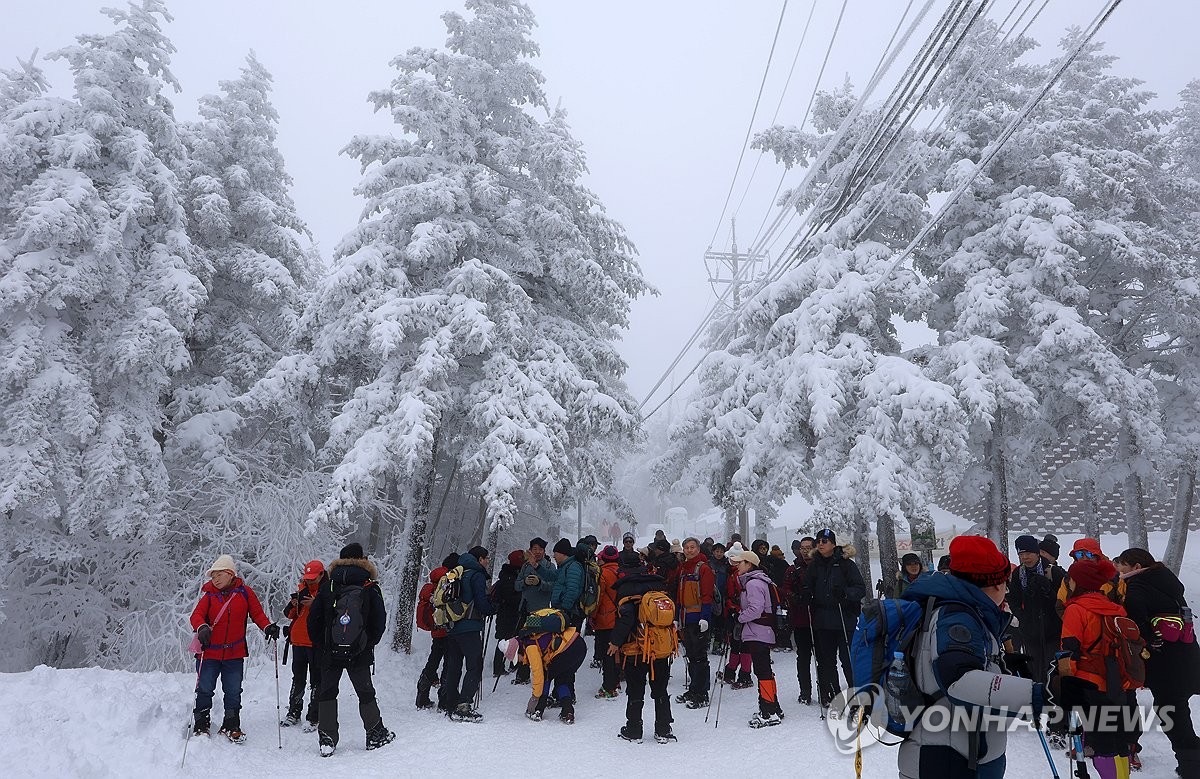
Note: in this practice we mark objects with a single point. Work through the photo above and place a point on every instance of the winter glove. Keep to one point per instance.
(704, 626)
(533, 710)
(271, 632)
(532, 580)
(204, 633)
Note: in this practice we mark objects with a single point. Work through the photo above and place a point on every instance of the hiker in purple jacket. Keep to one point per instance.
(755, 629)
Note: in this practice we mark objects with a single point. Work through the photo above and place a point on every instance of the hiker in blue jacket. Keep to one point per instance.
(465, 641)
(956, 662)
(568, 585)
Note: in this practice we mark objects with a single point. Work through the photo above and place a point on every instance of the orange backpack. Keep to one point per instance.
(1124, 652)
(655, 636)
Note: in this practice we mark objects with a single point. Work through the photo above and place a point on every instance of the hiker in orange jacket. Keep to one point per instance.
(1100, 699)
(303, 664)
(603, 619)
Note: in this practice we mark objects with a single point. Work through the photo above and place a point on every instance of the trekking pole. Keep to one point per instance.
(1081, 771)
(487, 631)
(496, 683)
(191, 726)
(720, 683)
(1046, 748)
(278, 712)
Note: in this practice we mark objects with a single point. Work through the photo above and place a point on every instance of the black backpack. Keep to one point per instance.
(348, 628)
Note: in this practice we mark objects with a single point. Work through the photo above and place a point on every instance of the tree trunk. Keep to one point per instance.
(1135, 504)
(1181, 520)
(1091, 510)
(997, 526)
(862, 543)
(923, 532)
(889, 563)
(481, 527)
(410, 573)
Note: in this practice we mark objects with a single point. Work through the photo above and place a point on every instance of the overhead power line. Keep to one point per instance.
(750, 126)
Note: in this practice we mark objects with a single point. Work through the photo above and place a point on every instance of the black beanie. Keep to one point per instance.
(629, 559)
(909, 559)
(352, 551)
(451, 560)
(1049, 545)
(564, 547)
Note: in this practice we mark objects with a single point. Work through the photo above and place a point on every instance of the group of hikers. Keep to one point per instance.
(1030, 641)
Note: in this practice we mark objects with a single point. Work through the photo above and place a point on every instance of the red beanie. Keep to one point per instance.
(609, 554)
(516, 558)
(1090, 574)
(977, 560)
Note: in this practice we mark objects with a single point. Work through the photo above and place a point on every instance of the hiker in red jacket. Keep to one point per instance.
(219, 620)
(437, 647)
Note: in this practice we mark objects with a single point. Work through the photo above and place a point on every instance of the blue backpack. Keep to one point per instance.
(887, 627)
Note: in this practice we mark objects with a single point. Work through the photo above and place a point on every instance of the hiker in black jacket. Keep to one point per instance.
(351, 569)
(634, 579)
(508, 608)
(835, 587)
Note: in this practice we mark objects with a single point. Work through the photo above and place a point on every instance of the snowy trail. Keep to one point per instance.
(97, 723)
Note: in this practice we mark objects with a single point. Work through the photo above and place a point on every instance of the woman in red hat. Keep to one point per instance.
(303, 667)
(1088, 685)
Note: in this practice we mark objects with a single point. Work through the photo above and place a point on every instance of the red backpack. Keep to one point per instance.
(425, 608)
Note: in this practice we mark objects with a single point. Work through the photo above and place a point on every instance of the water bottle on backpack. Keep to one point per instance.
(899, 691)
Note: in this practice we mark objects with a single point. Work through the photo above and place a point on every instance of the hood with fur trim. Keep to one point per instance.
(353, 562)
(848, 552)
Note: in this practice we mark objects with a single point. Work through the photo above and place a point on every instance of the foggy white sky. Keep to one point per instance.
(660, 94)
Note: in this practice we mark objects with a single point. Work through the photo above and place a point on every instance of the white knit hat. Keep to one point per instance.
(223, 563)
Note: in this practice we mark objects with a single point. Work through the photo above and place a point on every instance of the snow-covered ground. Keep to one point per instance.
(97, 723)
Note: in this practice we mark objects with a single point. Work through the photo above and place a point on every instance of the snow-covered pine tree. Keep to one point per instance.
(1174, 357)
(474, 310)
(1037, 272)
(102, 291)
(813, 396)
(225, 458)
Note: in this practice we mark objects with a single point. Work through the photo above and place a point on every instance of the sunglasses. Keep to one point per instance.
(1084, 554)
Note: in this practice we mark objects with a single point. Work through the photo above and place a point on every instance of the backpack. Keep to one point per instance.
(449, 605)
(770, 617)
(544, 621)
(589, 599)
(655, 636)
(1124, 651)
(347, 630)
(425, 619)
(718, 604)
(884, 628)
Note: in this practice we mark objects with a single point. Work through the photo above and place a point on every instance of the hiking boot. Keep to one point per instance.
(760, 720)
(231, 727)
(553, 703)
(607, 695)
(596, 664)
(1135, 762)
(684, 698)
(464, 713)
(665, 737)
(741, 684)
(805, 699)
(567, 715)
(1056, 740)
(327, 746)
(289, 720)
(202, 724)
(698, 702)
(309, 726)
(730, 676)
(425, 704)
(379, 736)
(744, 679)
(629, 734)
